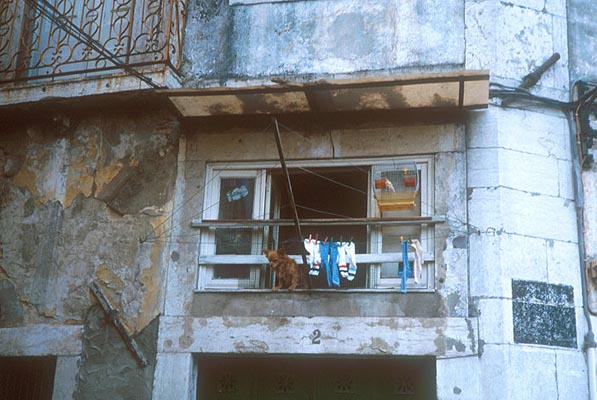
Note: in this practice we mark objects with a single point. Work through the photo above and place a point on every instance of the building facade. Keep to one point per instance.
(151, 150)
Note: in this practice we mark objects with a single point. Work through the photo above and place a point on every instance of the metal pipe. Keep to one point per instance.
(591, 370)
(531, 79)
(295, 217)
(589, 344)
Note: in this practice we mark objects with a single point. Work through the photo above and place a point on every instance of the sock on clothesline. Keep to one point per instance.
(324, 250)
(352, 267)
(312, 247)
(342, 264)
(316, 259)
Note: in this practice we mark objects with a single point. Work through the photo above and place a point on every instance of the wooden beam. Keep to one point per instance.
(114, 316)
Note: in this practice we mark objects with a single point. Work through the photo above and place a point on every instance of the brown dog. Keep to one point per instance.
(286, 269)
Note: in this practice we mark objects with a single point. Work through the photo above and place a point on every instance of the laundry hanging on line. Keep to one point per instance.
(338, 259)
(418, 264)
(405, 268)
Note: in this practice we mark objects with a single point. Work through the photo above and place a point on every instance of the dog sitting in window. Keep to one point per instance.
(287, 270)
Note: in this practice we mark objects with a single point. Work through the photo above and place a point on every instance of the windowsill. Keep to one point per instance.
(308, 291)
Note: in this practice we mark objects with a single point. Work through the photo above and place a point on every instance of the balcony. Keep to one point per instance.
(41, 51)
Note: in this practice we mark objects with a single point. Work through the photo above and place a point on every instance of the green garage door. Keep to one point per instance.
(277, 378)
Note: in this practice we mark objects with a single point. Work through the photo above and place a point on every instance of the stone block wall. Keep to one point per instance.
(522, 205)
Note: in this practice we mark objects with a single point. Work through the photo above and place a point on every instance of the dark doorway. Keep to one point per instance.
(315, 378)
(27, 378)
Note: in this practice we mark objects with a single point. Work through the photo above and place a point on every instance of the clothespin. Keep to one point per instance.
(309, 238)
(350, 241)
(331, 239)
(325, 240)
(316, 237)
(340, 239)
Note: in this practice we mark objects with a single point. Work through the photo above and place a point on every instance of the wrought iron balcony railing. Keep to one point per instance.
(145, 34)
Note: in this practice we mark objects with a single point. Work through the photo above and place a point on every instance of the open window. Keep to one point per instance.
(246, 207)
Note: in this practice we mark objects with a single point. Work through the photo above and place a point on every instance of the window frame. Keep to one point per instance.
(425, 163)
(427, 197)
(208, 237)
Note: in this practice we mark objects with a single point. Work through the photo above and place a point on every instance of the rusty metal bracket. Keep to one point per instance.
(114, 316)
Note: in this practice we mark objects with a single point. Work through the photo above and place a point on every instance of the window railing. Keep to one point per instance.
(145, 34)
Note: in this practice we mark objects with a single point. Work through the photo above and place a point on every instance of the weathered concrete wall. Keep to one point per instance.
(582, 33)
(108, 369)
(512, 38)
(72, 212)
(83, 197)
(330, 304)
(320, 37)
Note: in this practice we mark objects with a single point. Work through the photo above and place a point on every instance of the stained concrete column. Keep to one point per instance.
(65, 377)
(174, 377)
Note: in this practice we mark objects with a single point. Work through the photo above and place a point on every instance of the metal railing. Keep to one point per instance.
(146, 34)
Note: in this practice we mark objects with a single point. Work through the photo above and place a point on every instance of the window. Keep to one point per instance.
(246, 207)
(233, 195)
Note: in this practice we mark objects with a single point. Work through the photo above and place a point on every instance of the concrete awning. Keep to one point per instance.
(463, 90)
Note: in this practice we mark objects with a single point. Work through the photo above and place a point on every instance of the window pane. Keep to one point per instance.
(392, 236)
(235, 202)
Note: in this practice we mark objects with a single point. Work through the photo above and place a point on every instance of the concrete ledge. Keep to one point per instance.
(316, 304)
(41, 340)
(441, 337)
(79, 87)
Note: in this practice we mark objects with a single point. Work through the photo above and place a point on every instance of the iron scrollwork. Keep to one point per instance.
(141, 33)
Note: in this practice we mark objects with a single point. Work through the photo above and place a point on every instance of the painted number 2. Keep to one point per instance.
(316, 337)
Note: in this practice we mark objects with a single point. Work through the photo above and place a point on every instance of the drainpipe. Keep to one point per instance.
(589, 344)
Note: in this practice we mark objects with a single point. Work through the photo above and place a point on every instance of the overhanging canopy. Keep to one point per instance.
(455, 90)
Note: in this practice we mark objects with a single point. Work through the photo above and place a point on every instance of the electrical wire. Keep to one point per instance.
(512, 92)
(51, 13)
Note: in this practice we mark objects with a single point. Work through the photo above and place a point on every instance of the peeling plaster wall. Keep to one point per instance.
(86, 198)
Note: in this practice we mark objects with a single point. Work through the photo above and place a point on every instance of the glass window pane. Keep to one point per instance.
(235, 202)
(392, 244)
